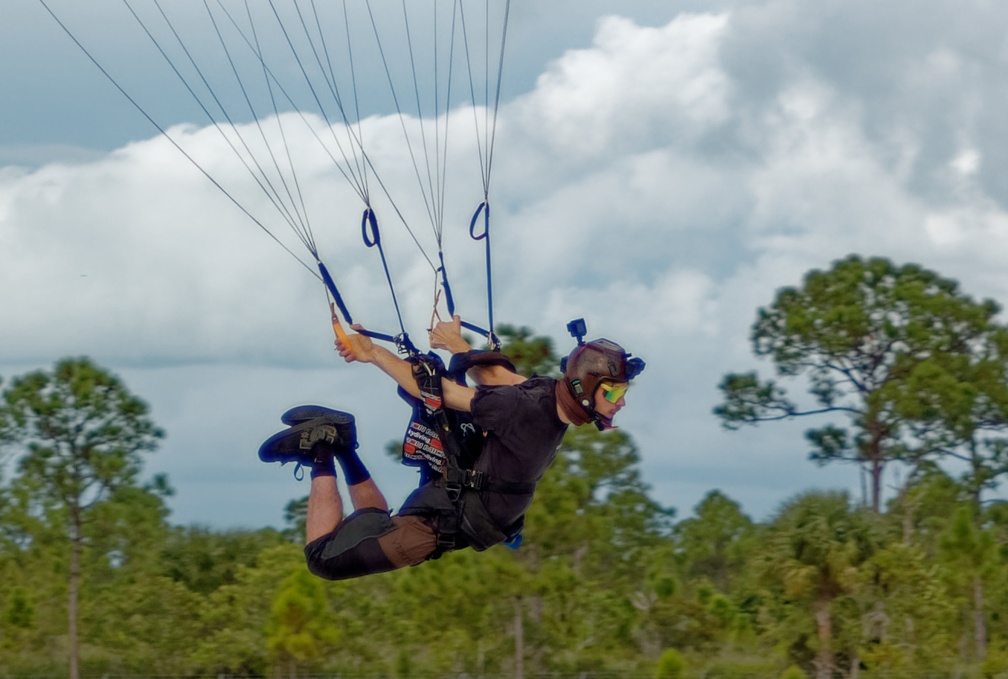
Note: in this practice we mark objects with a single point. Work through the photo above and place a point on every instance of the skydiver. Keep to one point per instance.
(523, 420)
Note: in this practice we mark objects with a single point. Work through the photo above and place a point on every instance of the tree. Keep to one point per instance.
(83, 433)
(713, 543)
(204, 560)
(532, 355)
(811, 560)
(670, 665)
(865, 335)
(957, 405)
(300, 629)
(971, 555)
(235, 617)
(591, 522)
(908, 622)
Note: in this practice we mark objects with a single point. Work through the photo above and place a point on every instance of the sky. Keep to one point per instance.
(660, 169)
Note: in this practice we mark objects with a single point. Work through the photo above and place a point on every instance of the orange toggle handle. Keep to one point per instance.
(338, 327)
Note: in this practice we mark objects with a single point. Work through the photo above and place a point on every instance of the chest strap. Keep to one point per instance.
(476, 480)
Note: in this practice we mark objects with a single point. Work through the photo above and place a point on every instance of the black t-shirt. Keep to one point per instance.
(523, 433)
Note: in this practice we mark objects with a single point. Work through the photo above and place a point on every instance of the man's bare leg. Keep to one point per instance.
(325, 508)
(366, 494)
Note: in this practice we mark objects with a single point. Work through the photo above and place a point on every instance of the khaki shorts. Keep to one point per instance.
(370, 541)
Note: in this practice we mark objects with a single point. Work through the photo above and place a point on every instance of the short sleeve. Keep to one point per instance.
(493, 407)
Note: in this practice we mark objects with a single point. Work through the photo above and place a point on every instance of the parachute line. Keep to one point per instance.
(115, 83)
(309, 237)
(250, 43)
(351, 178)
(500, 78)
(257, 174)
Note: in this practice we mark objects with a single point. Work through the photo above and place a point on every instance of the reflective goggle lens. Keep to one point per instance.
(614, 392)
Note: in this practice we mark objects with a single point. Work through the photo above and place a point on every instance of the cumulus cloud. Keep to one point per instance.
(662, 182)
(594, 102)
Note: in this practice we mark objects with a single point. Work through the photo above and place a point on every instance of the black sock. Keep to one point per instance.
(323, 464)
(353, 468)
(325, 467)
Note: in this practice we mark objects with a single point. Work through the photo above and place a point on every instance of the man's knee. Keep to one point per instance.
(370, 541)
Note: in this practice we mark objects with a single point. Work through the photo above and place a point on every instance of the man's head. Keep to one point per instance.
(596, 375)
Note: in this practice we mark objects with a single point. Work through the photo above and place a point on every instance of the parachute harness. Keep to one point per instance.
(446, 445)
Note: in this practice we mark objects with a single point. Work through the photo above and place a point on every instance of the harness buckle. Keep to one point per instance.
(473, 479)
(453, 489)
(446, 543)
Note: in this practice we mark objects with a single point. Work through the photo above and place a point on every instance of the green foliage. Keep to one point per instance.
(20, 612)
(742, 668)
(231, 633)
(815, 550)
(905, 609)
(917, 368)
(81, 429)
(607, 582)
(995, 665)
(714, 543)
(671, 665)
(82, 433)
(531, 355)
(299, 630)
(204, 560)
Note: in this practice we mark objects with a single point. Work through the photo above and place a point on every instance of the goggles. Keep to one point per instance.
(613, 392)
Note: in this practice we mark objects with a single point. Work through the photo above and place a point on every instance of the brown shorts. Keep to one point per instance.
(370, 541)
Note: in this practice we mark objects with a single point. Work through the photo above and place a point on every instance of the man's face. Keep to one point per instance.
(610, 397)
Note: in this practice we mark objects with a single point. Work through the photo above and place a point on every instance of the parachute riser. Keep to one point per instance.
(484, 209)
(372, 238)
(492, 340)
(402, 341)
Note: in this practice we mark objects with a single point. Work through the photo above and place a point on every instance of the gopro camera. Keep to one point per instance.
(578, 330)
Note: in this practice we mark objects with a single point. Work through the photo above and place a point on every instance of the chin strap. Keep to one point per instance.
(603, 423)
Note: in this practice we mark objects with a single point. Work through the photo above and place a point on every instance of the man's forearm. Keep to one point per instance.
(396, 368)
(455, 396)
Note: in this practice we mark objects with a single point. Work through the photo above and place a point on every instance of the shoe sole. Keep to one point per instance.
(339, 421)
(300, 414)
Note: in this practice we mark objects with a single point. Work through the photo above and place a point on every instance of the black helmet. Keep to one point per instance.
(595, 362)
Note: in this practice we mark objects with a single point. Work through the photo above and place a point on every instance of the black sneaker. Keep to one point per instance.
(319, 437)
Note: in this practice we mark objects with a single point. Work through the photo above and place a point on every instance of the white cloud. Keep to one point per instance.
(967, 162)
(662, 182)
(594, 103)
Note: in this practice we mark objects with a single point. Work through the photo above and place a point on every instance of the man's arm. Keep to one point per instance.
(448, 335)
(360, 349)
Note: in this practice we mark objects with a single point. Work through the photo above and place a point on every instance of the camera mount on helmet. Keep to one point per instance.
(578, 329)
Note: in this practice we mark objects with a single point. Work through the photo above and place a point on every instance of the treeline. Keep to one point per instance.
(94, 579)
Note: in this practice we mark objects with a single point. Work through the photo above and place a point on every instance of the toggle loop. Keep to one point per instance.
(483, 209)
(369, 228)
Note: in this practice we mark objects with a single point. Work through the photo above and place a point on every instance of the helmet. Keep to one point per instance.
(592, 363)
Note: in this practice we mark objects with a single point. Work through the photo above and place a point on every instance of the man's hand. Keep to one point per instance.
(359, 348)
(448, 335)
